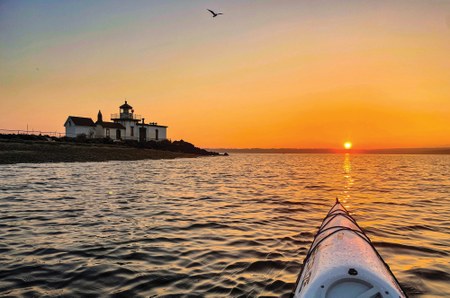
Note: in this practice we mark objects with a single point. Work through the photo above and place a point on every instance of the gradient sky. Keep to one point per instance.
(298, 74)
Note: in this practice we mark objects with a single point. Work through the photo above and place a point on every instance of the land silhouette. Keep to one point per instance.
(43, 149)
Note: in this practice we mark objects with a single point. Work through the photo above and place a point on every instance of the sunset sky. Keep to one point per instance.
(267, 74)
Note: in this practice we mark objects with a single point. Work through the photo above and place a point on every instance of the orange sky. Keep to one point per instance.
(268, 74)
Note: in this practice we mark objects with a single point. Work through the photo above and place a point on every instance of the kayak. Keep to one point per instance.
(343, 263)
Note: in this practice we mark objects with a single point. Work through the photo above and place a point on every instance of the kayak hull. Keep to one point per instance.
(342, 262)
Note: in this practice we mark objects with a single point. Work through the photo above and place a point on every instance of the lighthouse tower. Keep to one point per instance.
(128, 119)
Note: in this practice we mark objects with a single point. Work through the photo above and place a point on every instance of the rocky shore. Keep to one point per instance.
(13, 150)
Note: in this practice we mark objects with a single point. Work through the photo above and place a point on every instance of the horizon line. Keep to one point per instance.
(410, 150)
(325, 148)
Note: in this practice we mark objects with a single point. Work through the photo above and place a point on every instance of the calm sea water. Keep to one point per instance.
(217, 227)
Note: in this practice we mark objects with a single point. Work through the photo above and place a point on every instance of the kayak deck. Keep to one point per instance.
(343, 263)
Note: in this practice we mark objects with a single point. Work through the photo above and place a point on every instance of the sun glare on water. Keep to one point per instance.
(348, 145)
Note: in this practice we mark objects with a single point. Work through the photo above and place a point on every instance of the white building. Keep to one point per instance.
(125, 126)
(112, 130)
(76, 126)
(136, 128)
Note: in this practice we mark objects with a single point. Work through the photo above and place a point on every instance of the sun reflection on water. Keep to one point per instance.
(348, 180)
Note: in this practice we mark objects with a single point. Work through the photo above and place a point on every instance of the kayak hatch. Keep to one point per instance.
(343, 263)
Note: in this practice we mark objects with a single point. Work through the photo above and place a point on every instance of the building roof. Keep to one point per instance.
(81, 121)
(151, 124)
(111, 125)
(126, 106)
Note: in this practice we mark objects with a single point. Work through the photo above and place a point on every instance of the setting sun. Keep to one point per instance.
(348, 145)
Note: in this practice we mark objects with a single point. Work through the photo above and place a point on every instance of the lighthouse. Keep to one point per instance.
(135, 126)
(126, 125)
(128, 119)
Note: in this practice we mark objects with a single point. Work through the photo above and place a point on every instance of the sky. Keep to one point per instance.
(266, 74)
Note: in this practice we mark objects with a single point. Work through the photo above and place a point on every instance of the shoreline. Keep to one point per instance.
(23, 151)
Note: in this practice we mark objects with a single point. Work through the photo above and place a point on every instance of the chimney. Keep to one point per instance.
(99, 117)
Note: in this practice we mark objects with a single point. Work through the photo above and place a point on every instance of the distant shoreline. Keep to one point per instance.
(445, 150)
(13, 152)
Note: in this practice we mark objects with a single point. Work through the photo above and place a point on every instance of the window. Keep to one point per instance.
(156, 134)
(132, 131)
(107, 132)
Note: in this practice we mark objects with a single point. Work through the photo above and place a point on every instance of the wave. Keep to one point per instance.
(430, 274)
(180, 229)
(418, 249)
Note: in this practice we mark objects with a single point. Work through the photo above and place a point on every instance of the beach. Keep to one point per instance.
(19, 151)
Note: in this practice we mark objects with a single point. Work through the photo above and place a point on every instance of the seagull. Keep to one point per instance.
(214, 14)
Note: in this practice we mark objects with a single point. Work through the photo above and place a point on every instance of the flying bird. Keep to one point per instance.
(214, 14)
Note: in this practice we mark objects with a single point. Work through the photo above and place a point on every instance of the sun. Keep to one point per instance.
(348, 145)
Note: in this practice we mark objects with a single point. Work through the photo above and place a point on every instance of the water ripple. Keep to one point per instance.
(218, 227)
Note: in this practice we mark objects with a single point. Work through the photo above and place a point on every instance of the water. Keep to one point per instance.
(214, 227)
